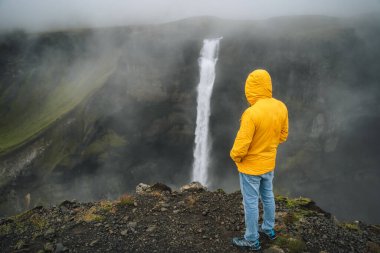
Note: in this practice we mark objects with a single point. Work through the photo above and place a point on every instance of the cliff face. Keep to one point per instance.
(89, 114)
(157, 219)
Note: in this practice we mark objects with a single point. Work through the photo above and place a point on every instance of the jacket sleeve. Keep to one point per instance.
(284, 129)
(243, 138)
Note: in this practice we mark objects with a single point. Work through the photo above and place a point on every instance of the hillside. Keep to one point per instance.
(157, 219)
(88, 114)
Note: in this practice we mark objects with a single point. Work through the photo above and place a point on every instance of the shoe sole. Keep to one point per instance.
(246, 247)
(270, 238)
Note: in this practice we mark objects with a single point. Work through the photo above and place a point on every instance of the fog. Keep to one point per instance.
(42, 15)
(139, 127)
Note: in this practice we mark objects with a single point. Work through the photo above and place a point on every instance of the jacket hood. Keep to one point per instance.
(258, 86)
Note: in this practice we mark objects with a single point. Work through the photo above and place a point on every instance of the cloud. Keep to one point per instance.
(39, 15)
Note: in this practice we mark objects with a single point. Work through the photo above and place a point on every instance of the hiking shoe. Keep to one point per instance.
(271, 234)
(243, 243)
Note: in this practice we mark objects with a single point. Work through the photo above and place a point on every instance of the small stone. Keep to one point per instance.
(93, 243)
(48, 247)
(165, 205)
(163, 209)
(204, 213)
(124, 232)
(60, 248)
(151, 228)
(49, 232)
(204, 237)
(132, 224)
(135, 203)
(19, 245)
(176, 211)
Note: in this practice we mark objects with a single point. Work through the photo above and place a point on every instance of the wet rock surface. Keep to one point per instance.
(162, 220)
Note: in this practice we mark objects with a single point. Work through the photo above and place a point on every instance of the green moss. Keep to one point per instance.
(38, 222)
(25, 220)
(297, 202)
(5, 229)
(126, 200)
(351, 226)
(220, 191)
(106, 206)
(292, 245)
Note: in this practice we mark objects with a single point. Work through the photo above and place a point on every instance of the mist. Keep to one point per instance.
(122, 99)
(42, 15)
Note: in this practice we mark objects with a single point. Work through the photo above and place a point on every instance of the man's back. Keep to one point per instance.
(263, 126)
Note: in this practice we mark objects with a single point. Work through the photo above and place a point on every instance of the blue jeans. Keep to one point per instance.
(251, 188)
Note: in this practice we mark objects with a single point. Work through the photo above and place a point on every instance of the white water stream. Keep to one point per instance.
(207, 61)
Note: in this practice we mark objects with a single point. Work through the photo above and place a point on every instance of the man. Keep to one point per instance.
(263, 126)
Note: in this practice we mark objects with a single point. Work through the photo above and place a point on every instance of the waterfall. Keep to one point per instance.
(207, 61)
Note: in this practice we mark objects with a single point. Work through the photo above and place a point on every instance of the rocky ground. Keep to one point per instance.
(156, 219)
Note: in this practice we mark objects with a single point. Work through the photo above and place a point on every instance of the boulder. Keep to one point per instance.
(193, 186)
(141, 188)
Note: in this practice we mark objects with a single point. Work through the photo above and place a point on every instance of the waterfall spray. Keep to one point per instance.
(207, 61)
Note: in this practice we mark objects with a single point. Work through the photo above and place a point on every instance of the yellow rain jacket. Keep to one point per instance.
(263, 126)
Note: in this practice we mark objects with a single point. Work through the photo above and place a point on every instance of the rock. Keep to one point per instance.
(176, 211)
(48, 247)
(163, 209)
(50, 232)
(159, 187)
(124, 232)
(142, 188)
(20, 245)
(151, 228)
(274, 249)
(60, 248)
(93, 243)
(194, 186)
(132, 224)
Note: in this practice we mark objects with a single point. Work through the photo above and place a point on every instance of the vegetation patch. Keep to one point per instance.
(126, 200)
(350, 226)
(5, 229)
(90, 215)
(293, 245)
